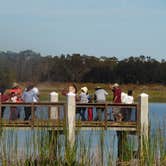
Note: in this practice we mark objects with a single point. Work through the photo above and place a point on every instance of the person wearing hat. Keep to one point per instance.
(84, 98)
(100, 97)
(116, 90)
(16, 89)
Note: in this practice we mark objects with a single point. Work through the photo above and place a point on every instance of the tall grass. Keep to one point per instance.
(50, 147)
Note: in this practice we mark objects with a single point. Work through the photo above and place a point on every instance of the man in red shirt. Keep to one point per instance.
(117, 114)
(116, 99)
(116, 93)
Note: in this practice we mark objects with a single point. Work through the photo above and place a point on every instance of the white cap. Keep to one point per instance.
(115, 85)
(36, 90)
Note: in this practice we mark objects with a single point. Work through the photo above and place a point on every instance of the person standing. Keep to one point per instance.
(37, 109)
(28, 97)
(84, 98)
(36, 91)
(116, 90)
(100, 97)
(129, 100)
(117, 113)
(16, 90)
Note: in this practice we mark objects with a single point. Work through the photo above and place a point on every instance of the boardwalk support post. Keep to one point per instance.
(54, 109)
(144, 120)
(70, 118)
(53, 115)
(144, 115)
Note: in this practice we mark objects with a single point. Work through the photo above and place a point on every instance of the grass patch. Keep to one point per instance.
(156, 92)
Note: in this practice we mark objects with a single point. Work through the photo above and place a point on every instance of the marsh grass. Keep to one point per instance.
(50, 147)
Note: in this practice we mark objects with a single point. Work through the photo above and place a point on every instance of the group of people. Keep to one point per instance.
(17, 95)
(100, 96)
(31, 94)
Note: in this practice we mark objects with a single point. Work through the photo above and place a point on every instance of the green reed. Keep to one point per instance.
(50, 147)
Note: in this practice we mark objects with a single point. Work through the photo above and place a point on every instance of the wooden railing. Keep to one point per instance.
(107, 122)
(33, 121)
(61, 121)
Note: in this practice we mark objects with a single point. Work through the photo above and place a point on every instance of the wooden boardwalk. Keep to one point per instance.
(60, 123)
(68, 122)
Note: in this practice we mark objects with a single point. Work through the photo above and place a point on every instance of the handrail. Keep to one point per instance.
(103, 123)
(106, 103)
(34, 103)
(62, 103)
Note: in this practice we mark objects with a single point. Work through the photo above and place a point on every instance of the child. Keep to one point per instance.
(13, 111)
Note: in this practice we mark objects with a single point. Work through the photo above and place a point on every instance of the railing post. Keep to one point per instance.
(144, 115)
(54, 109)
(32, 114)
(144, 121)
(70, 118)
(105, 116)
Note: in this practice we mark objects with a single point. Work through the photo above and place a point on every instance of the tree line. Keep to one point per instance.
(28, 65)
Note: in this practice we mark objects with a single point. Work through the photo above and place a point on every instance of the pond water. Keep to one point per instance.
(157, 116)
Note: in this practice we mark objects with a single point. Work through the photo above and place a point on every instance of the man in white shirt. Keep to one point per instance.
(36, 91)
(129, 99)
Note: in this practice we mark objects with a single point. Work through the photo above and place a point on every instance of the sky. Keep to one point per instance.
(120, 28)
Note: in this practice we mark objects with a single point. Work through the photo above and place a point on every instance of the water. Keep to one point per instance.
(157, 115)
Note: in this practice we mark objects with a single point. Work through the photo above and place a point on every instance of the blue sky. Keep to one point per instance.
(120, 28)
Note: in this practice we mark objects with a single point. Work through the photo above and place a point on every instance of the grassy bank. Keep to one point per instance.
(156, 92)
